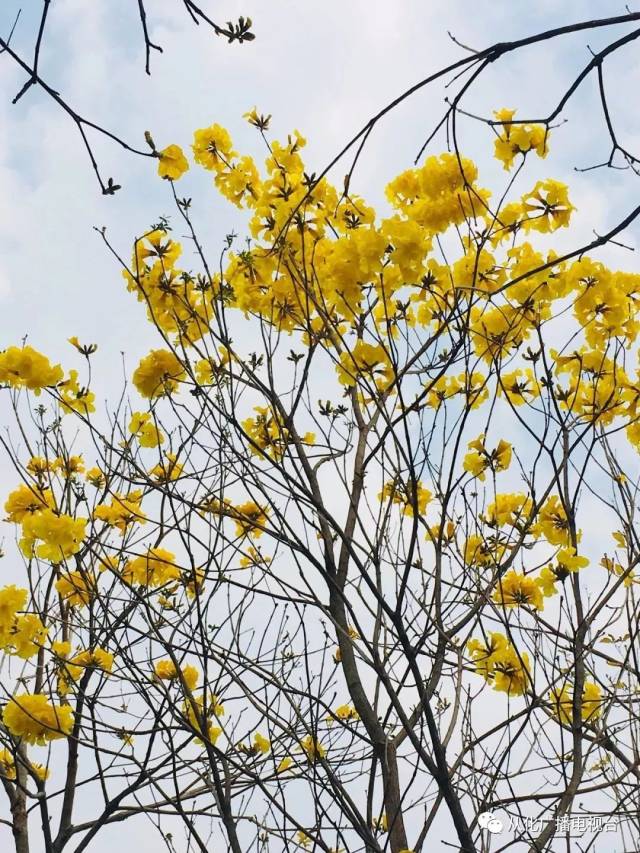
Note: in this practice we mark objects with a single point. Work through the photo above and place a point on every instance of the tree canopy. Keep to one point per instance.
(351, 564)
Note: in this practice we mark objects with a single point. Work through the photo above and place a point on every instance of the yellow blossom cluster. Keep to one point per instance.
(518, 590)
(72, 668)
(35, 719)
(187, 675)
(404, 493)
(561, 699)
(312, 748)
(472, 387)
(25, 367)
(158, 374)
(22, 634)
(8, 766)
(26, 500)
(155, 568)
(249, 517)
(268, 434)
(333, 255)
(145, 430)
(46, 533)
(167, 469)
(50, 536)
(77, 588)
(518, 138)
(479, 460)
(501, 665)
(122, 511)
(200, 713)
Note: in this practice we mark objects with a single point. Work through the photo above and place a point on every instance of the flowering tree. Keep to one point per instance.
(329, 576)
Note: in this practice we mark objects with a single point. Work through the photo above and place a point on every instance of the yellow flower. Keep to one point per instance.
(547, 206)
(442, 389)
(284, 765)
(27, 636)
(511, 672)
(249, 517)
(500, 665)
(173, 164)
(97, 658)
(61, 648)
(567, 562)
(22, 634)
(40, 771)
(444, 533)
(25, 367)
(83, 349)
(369, 361)
(212, 147)
(38, 466)
(142, 426)
(156, 568)
(479, 551)
(95, 477)
(26, 500)
(508, 509)
(261, 744)
(434, 196)
(126, 737)
(552, 523)
(313, 748)
(257, 120)
(193, 581)
(188, 675)
(7, 764)
(166, 470)
(402, 493)
(213, 709)
(75, 397)
(35, 719)
(254, 557)
(240, 182)
(122, 511)
(12, 600)
(158, 374)
(479, 460)
(519, 386)
(76, 588)
(267, 433)
(562, 702)
(60, 536)
(516, 590)
(344, 712)
(546, 580)
(303, 839)
(155, 245)
(591, 701)
(515, 139)
(618, 569)
(380, 824)
(69, 465)
(485, 653)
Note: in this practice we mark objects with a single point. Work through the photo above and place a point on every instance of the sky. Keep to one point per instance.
(321, 66)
